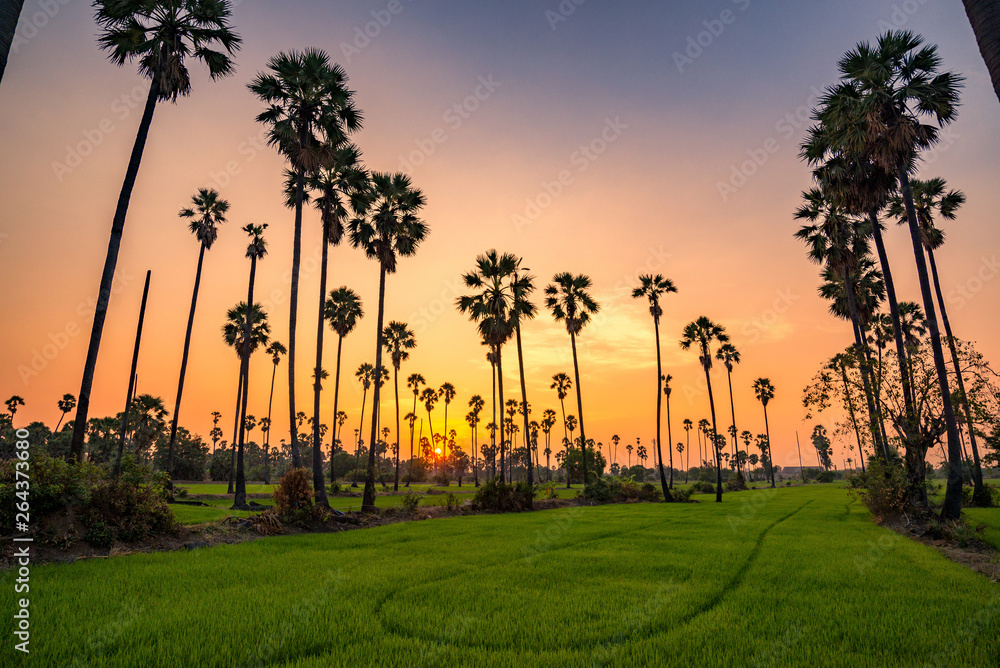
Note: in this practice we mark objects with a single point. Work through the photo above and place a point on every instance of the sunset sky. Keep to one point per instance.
(487, 106)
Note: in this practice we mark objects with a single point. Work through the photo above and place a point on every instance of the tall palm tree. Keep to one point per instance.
(429, 397)
(932, 198)
(764, 392)
(388, 228)
(365, 374)
(233, 336)
(446, 393)
(492, 309)
(569, 302)
(13, 404)
(984, 15)
(667, 391)
(730, 357)
(66, 404)
(342, 311)
(895, 87)
(615, 440)
(309, 112)
(653, 288)
(476, 403)
(256, 249)
(399, 340)
(207, 212)
(548, 421)
(413, 382)
(10, 12)
(162, 35)
(521, 286)
(275, 350)
(562, 384)
(628, 449)
(701, 334)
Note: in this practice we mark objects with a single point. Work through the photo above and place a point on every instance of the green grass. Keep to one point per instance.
(796, 577)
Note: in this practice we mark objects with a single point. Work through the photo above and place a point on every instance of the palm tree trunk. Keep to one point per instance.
(579, 407)
(865, 369)
(770, 457)
(395, 485)
(267, 437)
(336, 400)
(503, 440)
(718, 463)
(952, 508)
(10, 11)
(108, 275)
(357, 446)
(493, 432)
(984, 15)
(184, 361)
(293, 306)
(368, 502)
(876, 387)
(240, 501)
(409, 476)
(850, 411)
(562, 406)
(980, 495)
(236, 430)
(659, 400)
(131, 381)
(732, 409)
(524, 397)
(319, 484)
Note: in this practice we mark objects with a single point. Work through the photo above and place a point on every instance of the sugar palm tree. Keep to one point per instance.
(653, 288)
(932, 198)
(66, 404)
(413, 382)
(206, 213)
(13, 404)
(476, 403)
(562, 384)
(275, 350)
(342, 311)
(387, 229)
(491, 308)
(365, 374)
(730, 357)
(667, 391)
(895, 99)
(569, 301)
(521, 287)
(398, 340)
(162, 36)
(256, 249)
(233, 334)
(680, 455)
(548, 422)
(701, 334)
(309, 111)
(429, 397)
(10, 12)
(446, 393)
(984, 15)
(764, 392)
(628, 449)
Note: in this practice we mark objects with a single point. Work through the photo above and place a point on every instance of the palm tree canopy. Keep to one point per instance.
(343, 310)
(365, 373)
(447, 392)
(429, 397)
(568, 300)
(233, 329)
(398, 340)
(702, 333)
(276, 350)
(728, 355)
(163, 34)
(652, 288)
(207, 212)
(339, 187)
(562, 384)
(493, 307)
(414, 381)
(764, 391)
(388, 226)
(930, 198)
(257, 248)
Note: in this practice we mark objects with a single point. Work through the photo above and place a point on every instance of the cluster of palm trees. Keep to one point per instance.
(890, 104)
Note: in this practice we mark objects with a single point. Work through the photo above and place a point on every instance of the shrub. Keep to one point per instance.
(884, 490)
(451, 502)
(825, 476)
(293, 496)
(441, 479)
(549, 491)
(857, 480)
(334, 488)
(682, 495)
(410, 501)
(618, 490)
(218, 470)
(704, 487)
(54, 485)
(737, 483)
(122, 510)
(500, 497)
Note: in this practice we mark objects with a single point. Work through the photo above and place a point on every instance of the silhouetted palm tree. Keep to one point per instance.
(413, 382)
(984, 15)
(764, 391)
(365, 374)
(653, 288)
(275, 350)
(446, 393)
(309, 112)
(388, 229)
(342, 311)
(399, 341)
(66, 404)
(13, 404)
(207, 212)
(233, 335)
(702, 333)
(730, 356)
(10, 12)
(162, 36)
(476, 403)
(568, 300)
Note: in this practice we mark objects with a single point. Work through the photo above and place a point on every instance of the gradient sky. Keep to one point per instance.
(646, 201)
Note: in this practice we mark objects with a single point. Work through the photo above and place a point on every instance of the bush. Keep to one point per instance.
(704, 487)
(549, 491)
(451, 502)
(410, 501)
(619, 490)
(441, 479)
(293, 496)
(682, 495)
(737, 483)
(500, 497)
(825, 476)
(121, 510)
(54, 485)
(857, 480)
(884, 490)
(334, 488)
(219, 469)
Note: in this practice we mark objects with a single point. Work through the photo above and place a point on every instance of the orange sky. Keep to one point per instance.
(649, 202)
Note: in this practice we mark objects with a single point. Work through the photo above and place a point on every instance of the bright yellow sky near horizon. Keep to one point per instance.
(643, 198)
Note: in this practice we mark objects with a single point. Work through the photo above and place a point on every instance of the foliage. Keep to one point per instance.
(190, 455)
(548, 491)
(293, 496)
(884, 490)
(620, 490)
(129, 509)
(825, 476)
(441, 479)
(500, 497)
(218, 470)
(857, 480)
(54, 484)
(410, 501)
(736, 483)
(451, 502)
(703, 487)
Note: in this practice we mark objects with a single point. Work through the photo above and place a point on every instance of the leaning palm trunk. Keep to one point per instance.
(984, 15)
(395, 484)
(503, 437)
(357, 446)
(336, 400)
(293, 305)
(659, 401)
(267, 437)
(319, 486)
(108, 275)
(184, 361)
(368, 502)
(715, 448)
(854, 420)
(10, 11)
(852, 306)
(980, 495)
(524, 398)
(732, 409)
(579, 406)
(236, 429)
(240, 502)
(770, 457)
(952, 508)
